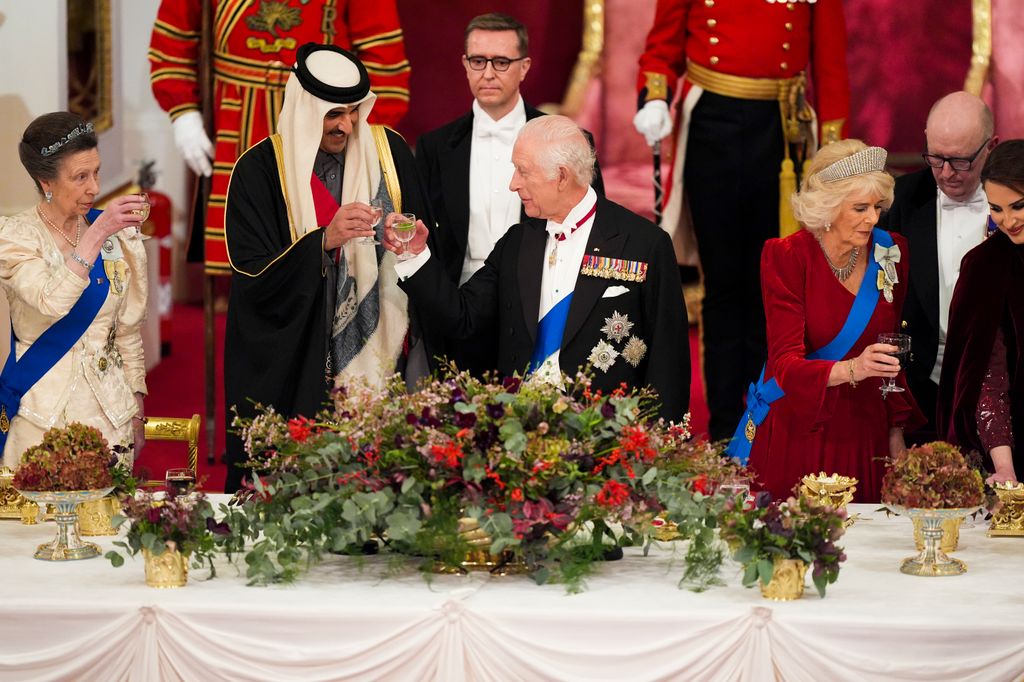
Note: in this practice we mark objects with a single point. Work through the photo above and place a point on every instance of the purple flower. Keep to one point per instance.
(465, 420)
(762, 499)
(217, 528)
(607, 410)
(411, 418)
(511, 384)
(495, 410)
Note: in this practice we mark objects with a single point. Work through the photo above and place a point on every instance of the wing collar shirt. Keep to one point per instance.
(960, 226)
(561, 266)
(492, 206)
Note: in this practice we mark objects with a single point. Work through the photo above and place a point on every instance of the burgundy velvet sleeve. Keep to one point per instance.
(993, 413)
(783, 283)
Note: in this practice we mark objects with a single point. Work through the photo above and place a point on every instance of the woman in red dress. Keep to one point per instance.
(981, 392)
(822, 350)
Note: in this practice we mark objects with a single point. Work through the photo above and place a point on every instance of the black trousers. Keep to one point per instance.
(731, 177)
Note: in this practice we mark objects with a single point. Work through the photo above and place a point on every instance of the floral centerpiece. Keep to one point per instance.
(182, 527)
(545, 473)
(770, 531)
(932, 476)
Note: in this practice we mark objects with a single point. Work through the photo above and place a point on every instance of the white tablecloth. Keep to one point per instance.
(88, 621)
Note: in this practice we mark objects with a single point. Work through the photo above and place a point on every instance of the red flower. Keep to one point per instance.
(613, 494)
(700, 484)
(517, 495)
(497, 479)
(449, 454)
(300, 429)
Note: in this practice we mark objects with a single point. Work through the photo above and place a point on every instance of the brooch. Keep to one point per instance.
(887, 258)
(634, 351)
(617, 326)
(603, 355)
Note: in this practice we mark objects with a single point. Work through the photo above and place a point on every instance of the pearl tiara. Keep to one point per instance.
(80, 130)
(865, 161)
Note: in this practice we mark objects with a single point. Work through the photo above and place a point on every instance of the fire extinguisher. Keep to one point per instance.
(158, 226)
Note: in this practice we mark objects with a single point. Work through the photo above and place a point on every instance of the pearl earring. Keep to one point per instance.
(49, 196)
(828, 226)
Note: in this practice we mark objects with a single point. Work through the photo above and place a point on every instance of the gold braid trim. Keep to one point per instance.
(387, 166)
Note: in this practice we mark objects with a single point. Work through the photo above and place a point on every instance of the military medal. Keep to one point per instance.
(603, 355)
(114, 265)
(617, 326)
(613, 268)
(634, 351)
(561, 236)
(887, 258)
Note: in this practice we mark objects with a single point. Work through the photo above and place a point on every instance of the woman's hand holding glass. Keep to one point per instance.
(404, 235)
(876, 360)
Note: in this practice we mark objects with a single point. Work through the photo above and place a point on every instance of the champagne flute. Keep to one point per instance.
(902, 353)
(377, 213)
(405, 229)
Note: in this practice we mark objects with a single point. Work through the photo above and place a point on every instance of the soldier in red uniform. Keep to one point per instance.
(742, 106)
(254, 46)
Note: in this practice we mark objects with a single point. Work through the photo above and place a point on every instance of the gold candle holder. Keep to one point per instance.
(1008, 515)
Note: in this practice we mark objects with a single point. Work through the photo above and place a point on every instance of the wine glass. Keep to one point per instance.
(405, 229)
(734, 486)
(377, 214)
(902, 353)
(143, 214)
(179, 481)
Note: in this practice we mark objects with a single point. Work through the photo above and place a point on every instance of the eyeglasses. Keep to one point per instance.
(957, 163)
(500, 64)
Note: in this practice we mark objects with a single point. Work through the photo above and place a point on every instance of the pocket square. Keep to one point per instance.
(612, 292)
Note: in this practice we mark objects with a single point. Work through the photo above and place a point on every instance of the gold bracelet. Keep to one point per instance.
(849, 365)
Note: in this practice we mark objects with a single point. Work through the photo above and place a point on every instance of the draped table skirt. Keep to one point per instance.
(88, 621)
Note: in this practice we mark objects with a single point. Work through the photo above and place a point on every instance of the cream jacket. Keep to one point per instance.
(95, 382)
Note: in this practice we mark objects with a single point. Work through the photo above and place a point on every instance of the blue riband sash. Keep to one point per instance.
(21, 374)
(549, 333)
(761, 395)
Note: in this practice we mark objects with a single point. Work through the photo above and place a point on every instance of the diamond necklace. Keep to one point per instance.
(843, 273)
(78, 234)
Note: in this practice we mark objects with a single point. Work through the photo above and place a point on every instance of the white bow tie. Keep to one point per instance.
(503, 132)
(977, 199)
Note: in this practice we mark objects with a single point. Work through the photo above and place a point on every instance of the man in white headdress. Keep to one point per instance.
(314, 300)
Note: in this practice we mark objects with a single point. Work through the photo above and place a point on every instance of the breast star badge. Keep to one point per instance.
(634, 351)
(603, 355)
(617, 326)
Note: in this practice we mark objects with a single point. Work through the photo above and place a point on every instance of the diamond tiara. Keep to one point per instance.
(865, 161)
(80, 130)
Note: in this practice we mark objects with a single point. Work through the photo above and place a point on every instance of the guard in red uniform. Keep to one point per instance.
(743, 110)
(254, 45)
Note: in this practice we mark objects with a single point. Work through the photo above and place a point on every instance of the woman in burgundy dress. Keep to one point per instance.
(823, 357)
(981, 393)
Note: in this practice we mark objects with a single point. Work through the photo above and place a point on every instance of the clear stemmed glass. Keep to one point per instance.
(405, 229)
(902, 353)
(377, 211)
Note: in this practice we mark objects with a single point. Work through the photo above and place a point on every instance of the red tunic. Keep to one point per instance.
(254, 49)
(755, 39)
(813, 428)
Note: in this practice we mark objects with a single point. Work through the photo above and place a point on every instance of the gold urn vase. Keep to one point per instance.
(95, 517)
(167, 569)
(787, 581)
(1008, 515)
(478, 556)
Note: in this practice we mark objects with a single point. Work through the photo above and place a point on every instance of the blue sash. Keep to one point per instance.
(761, 395)
(549, 333)
(21, 374)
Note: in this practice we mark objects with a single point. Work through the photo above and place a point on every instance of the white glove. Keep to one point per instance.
(193, 143)
(653, 121)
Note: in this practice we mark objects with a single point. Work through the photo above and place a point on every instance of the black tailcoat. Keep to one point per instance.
(506, 292)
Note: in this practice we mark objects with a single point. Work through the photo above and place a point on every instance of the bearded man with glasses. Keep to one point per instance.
(943, 212)
(467, 164)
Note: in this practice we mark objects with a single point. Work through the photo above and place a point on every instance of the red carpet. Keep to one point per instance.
(177, 389)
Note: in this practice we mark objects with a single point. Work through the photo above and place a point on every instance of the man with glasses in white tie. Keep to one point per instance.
(943, 213)
(467, 164)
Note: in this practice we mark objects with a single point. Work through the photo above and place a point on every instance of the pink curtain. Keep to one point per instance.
(1005, 93)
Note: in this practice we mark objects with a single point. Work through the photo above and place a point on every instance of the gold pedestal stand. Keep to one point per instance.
(1008, 516)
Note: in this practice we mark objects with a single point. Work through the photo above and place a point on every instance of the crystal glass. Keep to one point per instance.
(734, 486)
(179, 481)
(377, 213)
(405, 229)
(902, 353)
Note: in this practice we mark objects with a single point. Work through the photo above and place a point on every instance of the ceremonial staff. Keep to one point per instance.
(656, 152)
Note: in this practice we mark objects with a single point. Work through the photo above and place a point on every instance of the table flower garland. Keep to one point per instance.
(544, 471)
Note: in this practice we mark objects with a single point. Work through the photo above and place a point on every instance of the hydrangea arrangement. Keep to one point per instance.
(76, 457)
(932, 476)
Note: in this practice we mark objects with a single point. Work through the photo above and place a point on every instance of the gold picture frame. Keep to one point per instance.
(89, 62)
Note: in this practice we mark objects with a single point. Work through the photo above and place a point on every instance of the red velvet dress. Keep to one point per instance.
(814, 427)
